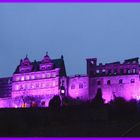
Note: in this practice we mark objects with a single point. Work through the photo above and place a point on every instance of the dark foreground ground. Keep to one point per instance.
(68, 122)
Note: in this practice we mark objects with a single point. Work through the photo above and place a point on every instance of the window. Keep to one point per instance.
(132, 80)
(103, 70)
(43, 75)
(27, 77)
(98, 82)
(121, 71)
(108, 82)
(97, 71)
(120, 81)
(80, 85)
(22, 78)
(92, 62)
(16, 87)
(134, 70)
(128, 71)
(72, 86)
(115, 71)
(32, 77)
(109, 72)
(37, 76)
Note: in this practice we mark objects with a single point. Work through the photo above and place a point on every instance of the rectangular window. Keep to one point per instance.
(128, 71)
(32, 77)
(134, 70)
(115, 71)
(43, 75)
(22, 78)
(109, 72)
(103, 71)
(97, 71)
(132, 80)
(121, 71)
(108, 82)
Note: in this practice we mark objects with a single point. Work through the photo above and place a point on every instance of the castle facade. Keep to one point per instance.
(35, 83)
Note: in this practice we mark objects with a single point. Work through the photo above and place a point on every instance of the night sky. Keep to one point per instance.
(110, 32)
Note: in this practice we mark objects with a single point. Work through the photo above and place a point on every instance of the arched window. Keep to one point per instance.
(80, 85)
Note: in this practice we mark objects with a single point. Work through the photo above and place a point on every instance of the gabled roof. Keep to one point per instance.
(58, 63)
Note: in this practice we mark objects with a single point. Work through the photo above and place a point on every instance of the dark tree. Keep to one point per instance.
(55, 102)
(98, 100)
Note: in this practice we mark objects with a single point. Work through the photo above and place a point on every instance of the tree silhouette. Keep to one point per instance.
(98, 100)
(55, 102)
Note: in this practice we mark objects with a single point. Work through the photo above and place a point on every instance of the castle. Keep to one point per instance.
(37, 82)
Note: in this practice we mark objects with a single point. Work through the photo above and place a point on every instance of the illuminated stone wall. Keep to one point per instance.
(6, 102)
(42, 83)
(114, 79)
(78, 87)
(127, 87)
(38, 82)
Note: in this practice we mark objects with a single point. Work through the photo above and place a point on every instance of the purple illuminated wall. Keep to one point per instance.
(114, 79)
(44, 83)
(78, 87)
(38, 87)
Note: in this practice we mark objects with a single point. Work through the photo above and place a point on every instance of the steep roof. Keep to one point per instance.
(58, 63)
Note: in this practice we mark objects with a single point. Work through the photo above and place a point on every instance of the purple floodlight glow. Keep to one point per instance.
(36, 88)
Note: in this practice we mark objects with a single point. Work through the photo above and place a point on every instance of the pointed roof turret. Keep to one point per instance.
(26, 61)
(46, 58)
